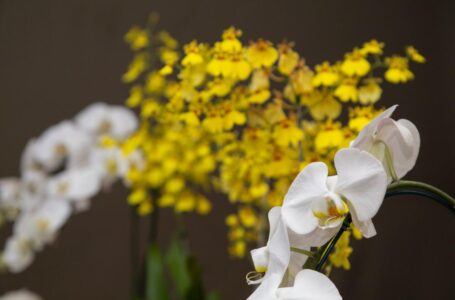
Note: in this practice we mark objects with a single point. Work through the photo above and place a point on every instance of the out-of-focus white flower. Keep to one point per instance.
(9, 198)
(103, 119)
(316, 204)
(22, 294)
(74, 185)
(33, 189)
(61, 142)
(395, 143)
(111, 164)
(309, 285)
(60, 170)
(41, 226)
(18, 254)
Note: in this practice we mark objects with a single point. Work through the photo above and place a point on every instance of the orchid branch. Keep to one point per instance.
(398, 188)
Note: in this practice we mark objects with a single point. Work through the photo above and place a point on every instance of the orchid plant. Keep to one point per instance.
(318, 208)
(61, 171)
(241, 120)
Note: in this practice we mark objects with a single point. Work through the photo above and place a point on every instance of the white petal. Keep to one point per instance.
(361, 180)
(33, 189)
(75, 184)
(59, 142)
(91, 117)
(279, 256)
(17, 255)
(28, 156)
(41, 225)
(364, 140)
(307, 187)
(124, 122)
(114, 120)
(55, 213)
(260, 257)
(366, 228)
(295, 266)
(320, 236)
(310, 285)
(403, 141)
(22, 294)
(9, 192)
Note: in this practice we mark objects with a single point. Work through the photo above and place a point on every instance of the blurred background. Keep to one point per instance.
(56, 57)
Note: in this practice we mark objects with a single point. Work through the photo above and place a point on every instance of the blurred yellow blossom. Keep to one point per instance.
(137, 38)
(326, 75)
(370, 91)
(261, 53)
(355, 64)
(242, 120)
(340, 256)
(372, 47)
(415, 55)
(288, 58)
(398, 70)
(347, 90)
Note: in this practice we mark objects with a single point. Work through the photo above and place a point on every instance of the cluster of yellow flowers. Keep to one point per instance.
(243, 119)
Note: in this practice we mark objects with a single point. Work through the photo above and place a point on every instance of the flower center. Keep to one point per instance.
(332, 211)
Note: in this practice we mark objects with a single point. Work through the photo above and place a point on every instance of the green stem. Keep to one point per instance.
(134, 252)
(302, 251)
(404, 187)
(408, 187)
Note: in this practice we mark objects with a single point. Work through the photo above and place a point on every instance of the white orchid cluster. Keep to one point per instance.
(60, 172)
(316, 205)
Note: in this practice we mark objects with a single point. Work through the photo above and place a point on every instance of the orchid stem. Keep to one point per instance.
(332, 243)
(408, 187)
(398, 188)
(302, 251)
(134, 251)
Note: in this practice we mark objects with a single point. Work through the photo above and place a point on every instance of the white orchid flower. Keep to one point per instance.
(61, 142)
(103, 119)
(310, 285)
(22, 294)
(10, 203)
(18, 254)
(111, 164)
(395, 143)
(272, 259)
(40, 226)
(33, 189)
(276, 260)
(316, 204)
(75, 185)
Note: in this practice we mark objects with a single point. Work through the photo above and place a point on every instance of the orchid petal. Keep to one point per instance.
(365, 139)
(75, 184)
(22, 294)
(403, 140)
(124, 122)
(307, 187)
(17, 255)
(310, 285)
(361, 180)
(366, 227)
(279, 256)
(260, 257)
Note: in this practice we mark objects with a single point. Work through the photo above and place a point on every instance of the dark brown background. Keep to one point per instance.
(58, 56)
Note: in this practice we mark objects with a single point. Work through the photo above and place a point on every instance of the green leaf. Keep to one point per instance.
(156, 286)
(196, 290)
(176, 261)
(213, 295)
